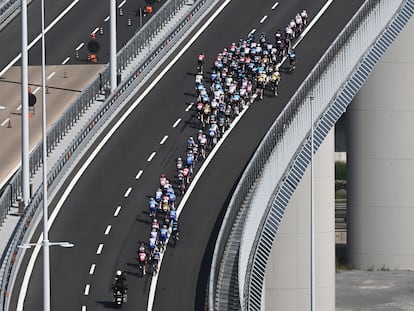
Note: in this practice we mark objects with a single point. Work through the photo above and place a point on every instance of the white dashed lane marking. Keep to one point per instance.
(163, 140)
(95, 30)
(87, 288)
(118, 209)
(189, 107)
(263, 19)
(51, 75)
(80, 46)
(121, 4)
(139, 174)
(275, 5)
(252, 31)
(152, 155)
(66, 60)
(176, 123)
(83, 308)
(92, 269)
(99, 250)
(5, 121)
(106, 19)
(127, 192)
(108, 229)
(36, 90)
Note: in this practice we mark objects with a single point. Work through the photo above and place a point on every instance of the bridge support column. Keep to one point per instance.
(287, 280)
(381, 163)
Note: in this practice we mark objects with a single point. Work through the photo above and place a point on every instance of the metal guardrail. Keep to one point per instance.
(372, 29)
(60, 129)
(7, 8)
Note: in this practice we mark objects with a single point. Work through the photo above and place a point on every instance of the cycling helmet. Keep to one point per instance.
(155, 221)
(179, 159)
(119, 272)
(162, 175)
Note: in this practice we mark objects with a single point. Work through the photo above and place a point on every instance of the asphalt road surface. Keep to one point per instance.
(108, 193)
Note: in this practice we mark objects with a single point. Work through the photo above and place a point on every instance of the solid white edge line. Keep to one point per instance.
(108, 229)
(127, 192)
(87, 288)
(176, 123)
(66, 60)
(163, 139)
(275, 5)
(51, 75)
(118, 209)
(5, 121)
(152, 155)
(79, 46)
(99, 250)
(92, 269)
(263, 19)
(55, 21)
(189, 107)
(139, 174)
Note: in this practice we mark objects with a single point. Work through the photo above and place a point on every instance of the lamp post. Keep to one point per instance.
(312, 216)
(112, 58)
(25, 108)
(45, 243)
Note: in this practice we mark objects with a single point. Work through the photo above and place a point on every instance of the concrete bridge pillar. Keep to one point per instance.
(381, 163)
(287, 280)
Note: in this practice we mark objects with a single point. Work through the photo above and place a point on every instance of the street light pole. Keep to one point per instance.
(46, 263)
(312, 220)
(112, 61)
(25, 108)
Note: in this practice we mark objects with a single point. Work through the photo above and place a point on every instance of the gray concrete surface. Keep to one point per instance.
(358, 290)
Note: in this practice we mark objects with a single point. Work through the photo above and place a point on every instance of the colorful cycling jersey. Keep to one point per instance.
(173, 215)
(186, 172)
(163, 233)
(154, 234)
(142, 257)
(156, 256)
(152, 242)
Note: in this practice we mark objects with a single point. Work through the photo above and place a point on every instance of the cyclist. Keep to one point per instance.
(154, 233)
(152, 204)
(142, 258)
(173, 214)
(156, 256)
(201, 58)
(158, 195)
(292, 60)
(305, 17)
(175, 230)
(163, 236)
(155, 224)
(275, 79)
(299, 24)
(163, 180)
